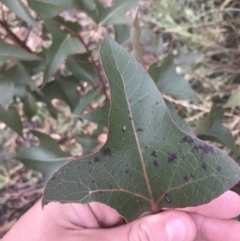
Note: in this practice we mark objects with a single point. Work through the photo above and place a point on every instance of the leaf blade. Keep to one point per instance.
(147, 163)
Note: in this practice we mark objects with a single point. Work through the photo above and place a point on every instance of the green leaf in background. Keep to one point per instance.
(99, 116)
(52, 8)
(147, 163)
(30, 106)
(88, 143)
(152, 43)
(212, 129)
(14, 52)
(85, 101)
(122, 35)
(64, 89)
(6, 91)
(45, 158)
(234, 99)
(11, 119)
(80, 67)
(170, 83)
(62, 46)
(135, 39)
(20, 10)
(186, 59)
(114, 14)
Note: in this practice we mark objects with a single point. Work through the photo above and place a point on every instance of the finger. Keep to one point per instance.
(225, 206)
(212, 229)
(165, 226)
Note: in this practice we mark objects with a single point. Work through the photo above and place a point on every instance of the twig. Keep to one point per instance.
(14, 37)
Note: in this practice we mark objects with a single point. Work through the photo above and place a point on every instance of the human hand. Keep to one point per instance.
(96, 221)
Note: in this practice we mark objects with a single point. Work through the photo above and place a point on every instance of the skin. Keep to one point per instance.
(95, 221)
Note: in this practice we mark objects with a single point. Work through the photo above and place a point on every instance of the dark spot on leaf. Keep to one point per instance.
(127, 171)
(155, 163)
(53, 178)
(100, 192)
(157, 103)
(204, 167)
(97, 159)
(126, 165)
(139, 129)
(107, 151)
(130, 118)
(146, 147)
(218, 168)
(89, 162)
(195, 148)
(192, 176)
(167, 198)
(154, 154)
(93, 181)
(187, 139)
(139, 100)
(172, 158)
(206, 148)
(111, 187)
(186, 178)
(90, 170)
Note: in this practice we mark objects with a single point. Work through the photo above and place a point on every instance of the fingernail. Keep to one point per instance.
(176, 229)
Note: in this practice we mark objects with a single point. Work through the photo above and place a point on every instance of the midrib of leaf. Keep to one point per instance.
(153, 204)
(109, 15)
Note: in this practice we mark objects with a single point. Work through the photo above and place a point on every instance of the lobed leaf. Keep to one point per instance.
(147, 163)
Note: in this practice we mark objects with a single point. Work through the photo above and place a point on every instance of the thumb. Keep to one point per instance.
(165, 226)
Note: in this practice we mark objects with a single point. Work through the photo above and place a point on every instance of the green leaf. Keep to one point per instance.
(135, 39)
(11, 119)
(99, 116)
(64, 89)
(30, 106)
(212, 129)
(52, 8)
(147, 163)
(234, 99)
(170, 83)
(45, 158)
(187, 60)
(85, 101)
(80, 67)
(115, 14)
(122, 35)
(62, 46)
(88, 144)
(14, 52)
(20, 10)
(6, 91)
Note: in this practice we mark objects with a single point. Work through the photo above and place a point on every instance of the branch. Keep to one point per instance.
(14, 37)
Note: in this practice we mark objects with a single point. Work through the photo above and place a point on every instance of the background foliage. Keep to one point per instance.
(51, 82)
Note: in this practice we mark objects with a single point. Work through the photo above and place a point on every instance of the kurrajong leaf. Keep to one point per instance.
(45, 158)
(62, 46)
(170, 83)
(14, 52)
(147, 163)
(20, 10)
